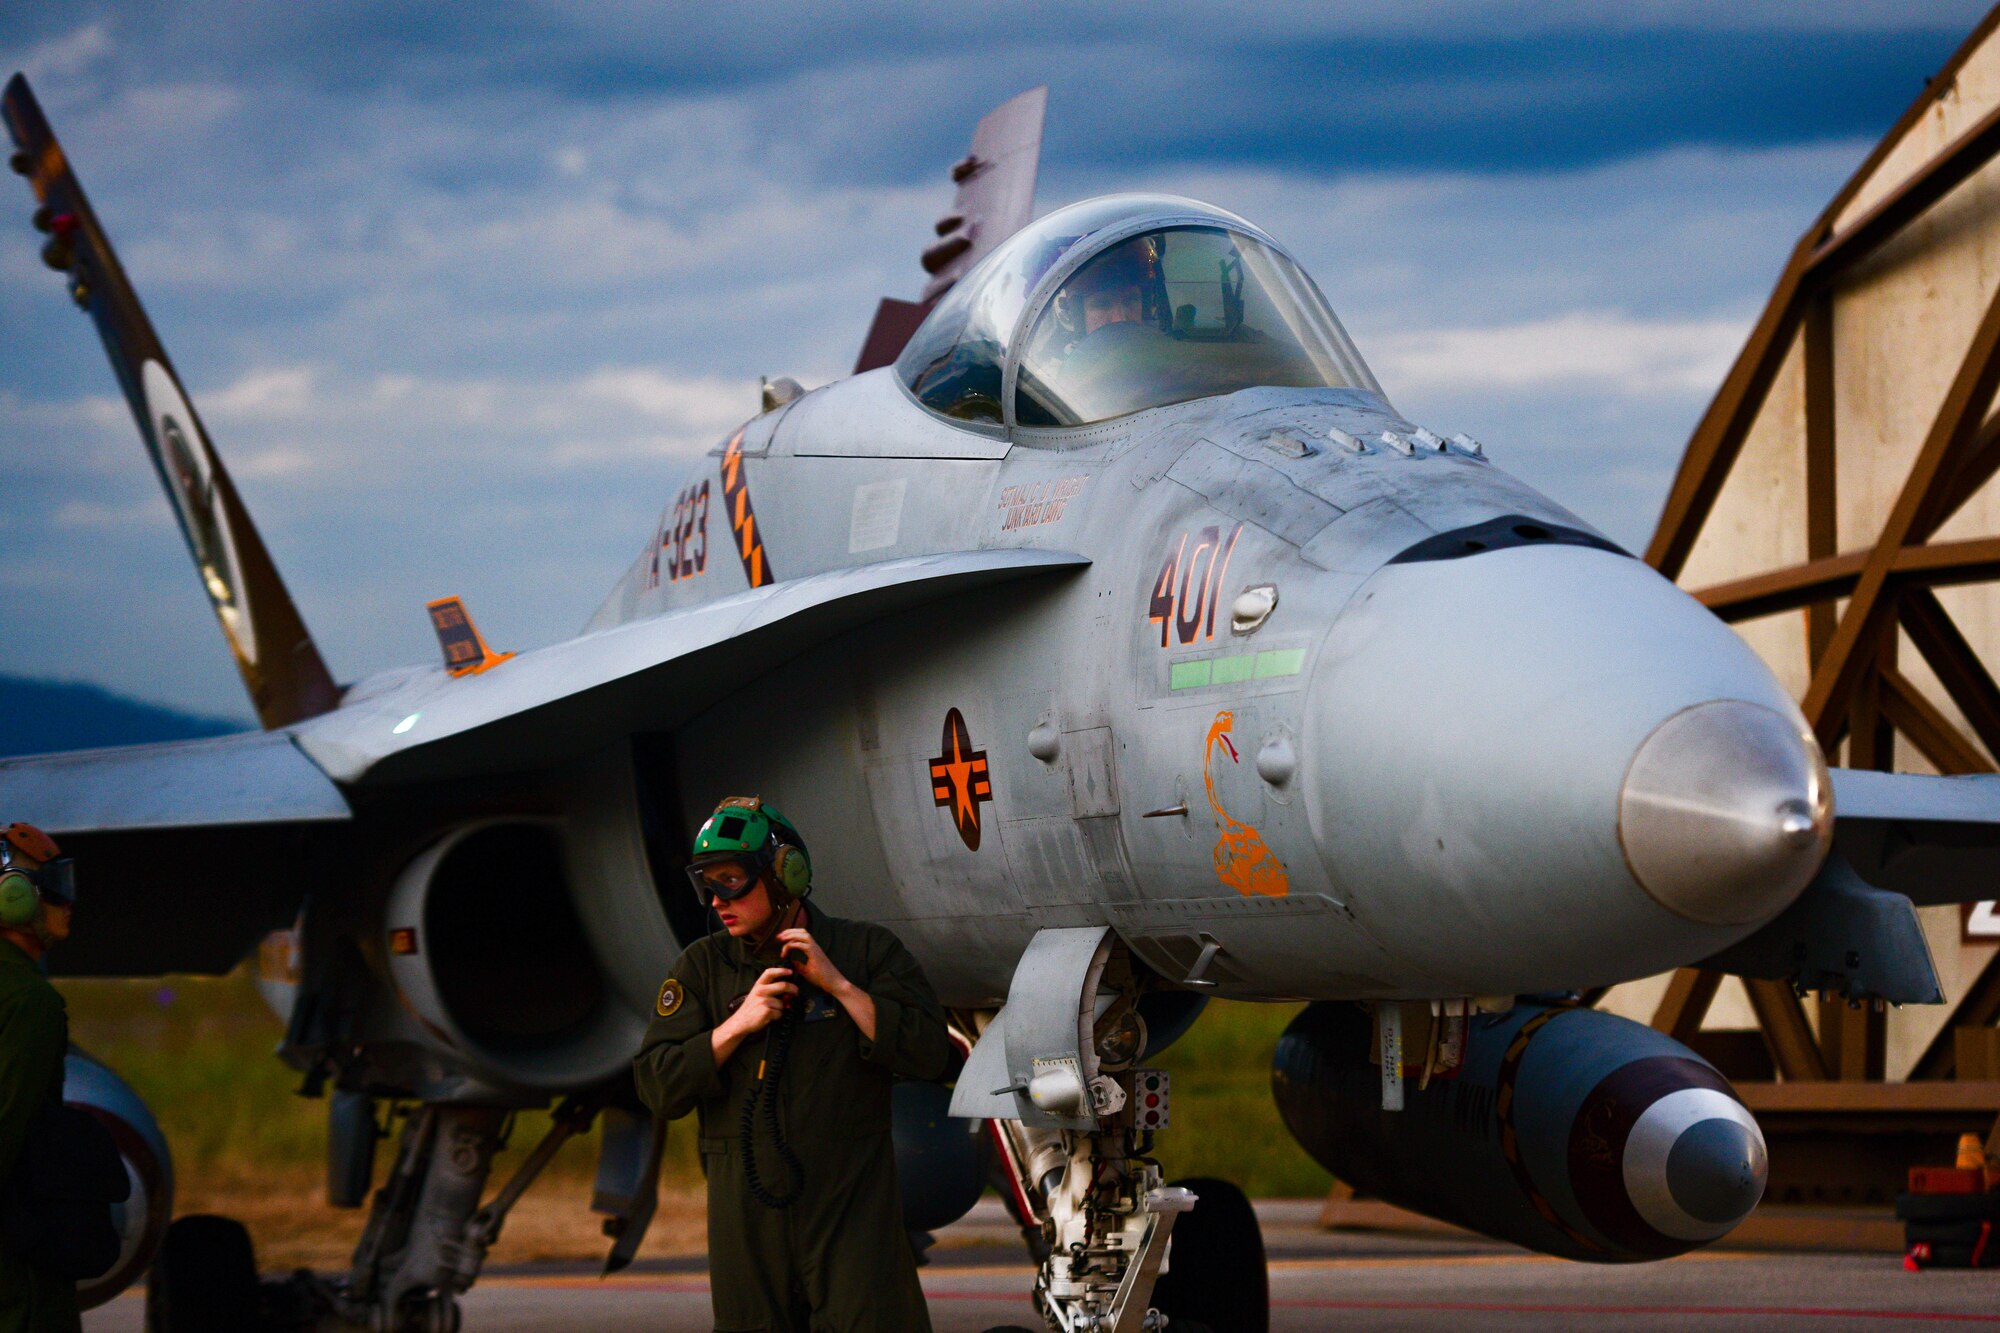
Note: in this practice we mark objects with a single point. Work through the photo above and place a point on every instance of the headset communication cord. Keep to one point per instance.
(777, 1045)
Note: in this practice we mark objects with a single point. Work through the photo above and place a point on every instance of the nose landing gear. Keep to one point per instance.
(1055, 1072)
(1110, 1218)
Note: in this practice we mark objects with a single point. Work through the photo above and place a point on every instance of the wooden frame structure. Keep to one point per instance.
(1860, 605)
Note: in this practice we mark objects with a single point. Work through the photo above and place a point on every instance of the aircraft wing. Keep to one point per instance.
(1936, 840)
(257, 777)
(189, 852)
(567, 699)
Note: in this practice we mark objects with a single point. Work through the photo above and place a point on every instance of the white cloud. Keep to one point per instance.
(1605, 350)
(90, 514)
(440, 358)
(328, 422)
(283, 394)
(67, 56)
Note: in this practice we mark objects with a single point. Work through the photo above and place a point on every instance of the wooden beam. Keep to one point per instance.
(1942, 565)
(1958, 668)
(1785, 589)
(1863, 1099)
(1689, 993)
(1958, 419)
(1978, 1006)
(1949, 563)
(1871, 737)
(1948, 748)
(1981, 462)
(1935, 89)
(1907, 202)
(1853, 1042)
(1822, 514)
(1786, 1032)
(1718, 439)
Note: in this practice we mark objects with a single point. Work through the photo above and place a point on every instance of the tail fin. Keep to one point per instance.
(281, 668)
(996, 197)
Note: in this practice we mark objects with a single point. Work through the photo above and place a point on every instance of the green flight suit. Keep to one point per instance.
(838, 1260)
(34, 1036)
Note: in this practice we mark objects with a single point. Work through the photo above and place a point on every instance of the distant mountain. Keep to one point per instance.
(41, 715)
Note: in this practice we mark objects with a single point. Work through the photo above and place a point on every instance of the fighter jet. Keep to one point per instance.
(1120, 644)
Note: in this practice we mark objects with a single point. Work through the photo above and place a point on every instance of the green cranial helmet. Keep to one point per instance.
(745, 830)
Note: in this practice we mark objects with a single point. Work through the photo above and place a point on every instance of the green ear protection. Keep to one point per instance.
(744, 826)
(20, 900)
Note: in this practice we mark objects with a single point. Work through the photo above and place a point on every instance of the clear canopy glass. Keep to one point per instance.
(1135, 301)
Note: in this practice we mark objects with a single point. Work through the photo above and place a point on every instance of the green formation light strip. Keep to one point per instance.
(1230, 670)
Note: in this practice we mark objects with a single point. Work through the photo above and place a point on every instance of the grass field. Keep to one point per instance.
(199, 1050)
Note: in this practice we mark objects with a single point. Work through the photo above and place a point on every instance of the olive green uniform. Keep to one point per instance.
(34, 1036)
(839, 1259)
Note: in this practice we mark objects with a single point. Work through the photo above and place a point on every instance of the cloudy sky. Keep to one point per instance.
(453, 294)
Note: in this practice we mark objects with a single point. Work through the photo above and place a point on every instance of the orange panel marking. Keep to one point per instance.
(1243, 860)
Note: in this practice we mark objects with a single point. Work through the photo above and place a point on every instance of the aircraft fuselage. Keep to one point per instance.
(1406, 781)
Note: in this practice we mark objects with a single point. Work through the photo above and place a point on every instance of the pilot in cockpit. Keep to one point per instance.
(1111, 289)
(1197, 306)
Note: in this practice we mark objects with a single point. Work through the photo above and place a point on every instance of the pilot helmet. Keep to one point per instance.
(743, 841)
(33, 872)
(1132, 263)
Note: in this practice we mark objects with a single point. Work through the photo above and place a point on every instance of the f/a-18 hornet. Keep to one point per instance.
(1116, 640)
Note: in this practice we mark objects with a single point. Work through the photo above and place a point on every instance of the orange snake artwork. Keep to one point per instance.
(1243, 860)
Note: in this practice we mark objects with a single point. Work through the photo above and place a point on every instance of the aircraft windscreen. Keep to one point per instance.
(1172, 315)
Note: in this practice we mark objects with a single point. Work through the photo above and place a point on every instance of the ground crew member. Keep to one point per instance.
(786, 1030)
(36, 896)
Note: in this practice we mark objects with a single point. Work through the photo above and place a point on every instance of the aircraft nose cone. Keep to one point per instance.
(1726, 812)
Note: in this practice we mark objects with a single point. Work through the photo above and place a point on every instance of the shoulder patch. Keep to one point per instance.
(671, 995)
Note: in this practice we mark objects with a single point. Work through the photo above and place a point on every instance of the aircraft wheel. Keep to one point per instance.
(1216, 1278)
(204, 1277)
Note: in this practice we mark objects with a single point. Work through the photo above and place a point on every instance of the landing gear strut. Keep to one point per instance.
(1110, 1218)
(427, 1235)
(1055, 1073)
(418, 1252)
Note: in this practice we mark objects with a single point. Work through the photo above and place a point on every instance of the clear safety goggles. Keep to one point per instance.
(724, 877)
(54, 881)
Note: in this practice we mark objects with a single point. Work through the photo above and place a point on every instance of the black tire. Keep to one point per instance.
(1216, 1276)
(1948, 1207)
(204, 1279)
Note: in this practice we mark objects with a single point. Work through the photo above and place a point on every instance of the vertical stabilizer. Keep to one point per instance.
(281, 668)
(996, 189)
(996, 197)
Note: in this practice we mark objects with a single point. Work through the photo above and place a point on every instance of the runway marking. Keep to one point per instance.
(1470, 1260)
(1720, 1311)
(1024, 1273)
(690, 1287)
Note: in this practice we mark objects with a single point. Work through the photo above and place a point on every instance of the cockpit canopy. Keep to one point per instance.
(1118, 304)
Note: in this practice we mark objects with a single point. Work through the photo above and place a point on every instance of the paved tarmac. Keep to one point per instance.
(980, 1278)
